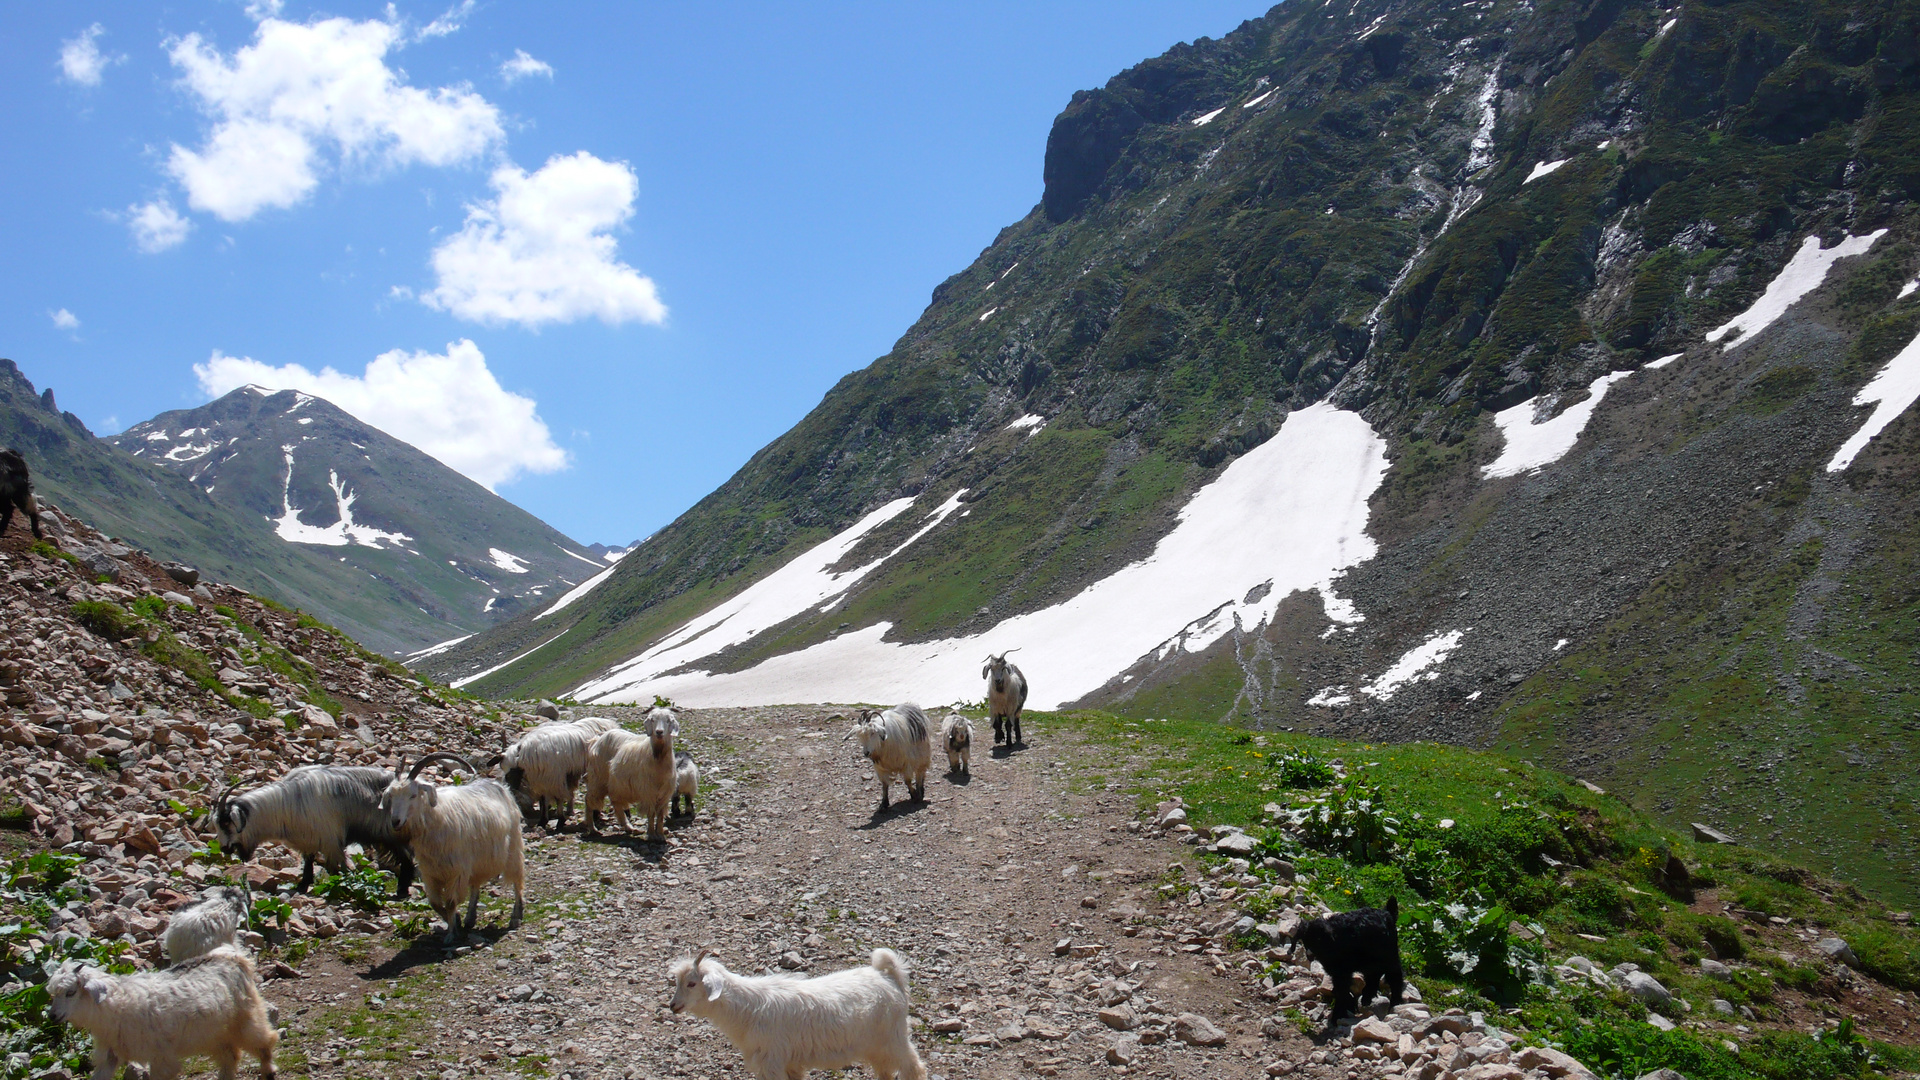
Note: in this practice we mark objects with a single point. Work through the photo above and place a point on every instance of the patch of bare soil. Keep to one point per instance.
(1011, 896)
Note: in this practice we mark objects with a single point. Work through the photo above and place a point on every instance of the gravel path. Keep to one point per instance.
(1010, 895)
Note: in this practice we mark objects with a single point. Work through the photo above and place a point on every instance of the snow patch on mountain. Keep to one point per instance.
(577, 592)
(1030, 423)
(1417, 664)
(342, 532)
(1533, 442)
(1287, 516)
(1895, 387)
(436, 650)
(1802, 274)
(1544, 168)
(507, 560)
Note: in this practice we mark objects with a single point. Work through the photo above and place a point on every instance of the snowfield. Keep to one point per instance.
(507, 560)
(1532, 443)
(1802, 274)
(577, 592)
(1891, 391)
(1288, 516)
(342, 532)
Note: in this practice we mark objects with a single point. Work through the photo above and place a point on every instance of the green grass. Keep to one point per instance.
(1466, 827)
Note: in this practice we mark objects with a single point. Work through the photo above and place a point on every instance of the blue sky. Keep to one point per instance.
(596, 255)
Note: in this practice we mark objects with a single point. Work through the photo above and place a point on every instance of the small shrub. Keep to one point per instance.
(1469, 942)
(1300, 771)
(1598, 904)
(1887, 955)
(48, 551)
(364, 885)
(1352, 823)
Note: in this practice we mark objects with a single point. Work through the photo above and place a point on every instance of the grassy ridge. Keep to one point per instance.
(1536, 867)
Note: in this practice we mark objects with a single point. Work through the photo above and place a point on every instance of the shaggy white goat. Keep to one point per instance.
(595, 725)
(464, 836)
(897, 743)
(544, 768)
(785, 1026)
(206, 924)
(956, 733)
(316, 810)
(686, 782)
(631, 770)
(1006, 696)
(209, 1005)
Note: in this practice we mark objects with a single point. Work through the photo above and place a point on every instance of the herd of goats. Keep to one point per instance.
(461, 837)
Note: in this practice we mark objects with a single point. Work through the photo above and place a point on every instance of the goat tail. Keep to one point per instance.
(1393, 907)
(889, 963)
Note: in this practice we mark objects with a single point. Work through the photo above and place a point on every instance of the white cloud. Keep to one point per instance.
(301, 90)
(450, 22)
(81, 60)
(522, 66)
(64, 319)
(156, 226)
(541, 250)
(447, 404)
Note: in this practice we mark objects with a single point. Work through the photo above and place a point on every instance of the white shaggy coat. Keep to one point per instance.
(1006, 697)
(595, 725)
(209, 1005)
(630, 770)
(317, 811)
(205, 925)
(464, 837)
(956, 734)
(544, 768)
(785, 1026)
(898, 744)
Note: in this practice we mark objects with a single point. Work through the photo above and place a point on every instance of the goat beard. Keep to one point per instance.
(659, 750)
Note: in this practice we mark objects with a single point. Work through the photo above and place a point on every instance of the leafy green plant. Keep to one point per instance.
(271, 907)
(1351, 822)
(1296, 770)
(31, 888)
(1470, 942)
(363, 885)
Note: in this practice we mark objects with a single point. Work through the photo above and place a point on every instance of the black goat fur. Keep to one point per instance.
(16, 490)
(1366, 941)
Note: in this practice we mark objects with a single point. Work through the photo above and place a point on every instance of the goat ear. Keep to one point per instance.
(432, 794)
(96, 987)
(715, 984)
(676, 727)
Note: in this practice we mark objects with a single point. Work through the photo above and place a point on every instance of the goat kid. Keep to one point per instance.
(786, 1026)
(207, 924)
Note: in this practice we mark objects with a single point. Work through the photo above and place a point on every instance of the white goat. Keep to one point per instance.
(544, 768)
(686, 782)
(205, 925)
(316, 810)
(464, 836)
(631, 770)
(785, 1026)
(897, 743)
(209, 1005)
(595, 725)
(1006, 696)
(956, 732)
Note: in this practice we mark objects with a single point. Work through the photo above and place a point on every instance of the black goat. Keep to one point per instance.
(16, 490)
(1367, 941)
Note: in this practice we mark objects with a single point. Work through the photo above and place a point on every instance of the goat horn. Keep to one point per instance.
(441, 756)
(700, 956)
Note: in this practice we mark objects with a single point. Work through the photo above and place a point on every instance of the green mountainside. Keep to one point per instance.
(167, 515)
(1427, 213)
(431, 539)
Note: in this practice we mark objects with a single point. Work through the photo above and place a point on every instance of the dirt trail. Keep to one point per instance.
(787, 863)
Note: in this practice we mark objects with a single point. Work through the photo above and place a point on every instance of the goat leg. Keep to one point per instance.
(306, 875)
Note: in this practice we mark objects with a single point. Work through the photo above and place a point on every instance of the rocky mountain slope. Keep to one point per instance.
(414, 529)
(1529, 374)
